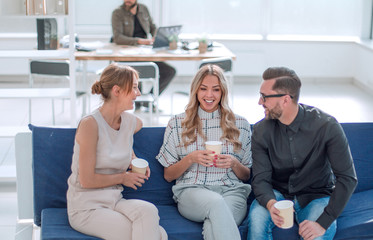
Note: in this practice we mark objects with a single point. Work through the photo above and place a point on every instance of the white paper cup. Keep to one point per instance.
(215, 146)
(286, 211)
(139, 165)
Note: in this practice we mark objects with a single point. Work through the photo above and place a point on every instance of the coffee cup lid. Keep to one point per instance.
(283, 204)
(140, 163)
(213, 143)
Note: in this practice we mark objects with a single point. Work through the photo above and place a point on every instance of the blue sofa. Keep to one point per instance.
(52, 151)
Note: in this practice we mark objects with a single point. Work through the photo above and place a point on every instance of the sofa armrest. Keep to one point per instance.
(23, 149)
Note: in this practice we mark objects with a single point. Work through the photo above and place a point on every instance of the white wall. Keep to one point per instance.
(363, 66)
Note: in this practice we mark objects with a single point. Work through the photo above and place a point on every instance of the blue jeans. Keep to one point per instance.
(261, 224)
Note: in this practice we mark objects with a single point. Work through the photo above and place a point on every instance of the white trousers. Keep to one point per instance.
(130, 219)
(220, 208)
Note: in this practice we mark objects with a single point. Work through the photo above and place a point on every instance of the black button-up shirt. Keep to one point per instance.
(308, 159)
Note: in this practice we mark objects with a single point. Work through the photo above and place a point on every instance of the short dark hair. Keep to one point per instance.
(287, 81)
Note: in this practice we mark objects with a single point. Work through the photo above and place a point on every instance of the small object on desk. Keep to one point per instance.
(191, 46)
(178, 51)
(104, 51)
(173, 45)
(173, 40)
(202, 47)
(195, 45)
(88, 46)
(83, 48)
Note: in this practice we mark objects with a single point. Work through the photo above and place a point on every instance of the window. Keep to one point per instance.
(232, 18)
(215, 16)
(269, 17)
(316, 17)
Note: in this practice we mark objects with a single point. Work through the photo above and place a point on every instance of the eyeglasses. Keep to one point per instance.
(263, 97)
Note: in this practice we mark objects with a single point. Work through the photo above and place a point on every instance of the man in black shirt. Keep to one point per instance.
(132, 25)
(301, 154)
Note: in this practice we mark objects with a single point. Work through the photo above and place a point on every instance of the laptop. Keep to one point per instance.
(162, 35)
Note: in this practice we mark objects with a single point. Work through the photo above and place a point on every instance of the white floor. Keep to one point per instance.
(344, 100)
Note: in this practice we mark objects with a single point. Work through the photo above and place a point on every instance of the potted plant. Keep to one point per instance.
(202, 44)
(173, 39)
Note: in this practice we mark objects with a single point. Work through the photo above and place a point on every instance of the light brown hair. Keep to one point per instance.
(114, 74)
(192, 123)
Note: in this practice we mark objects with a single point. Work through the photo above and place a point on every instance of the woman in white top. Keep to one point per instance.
(209, 189)
(101, 161)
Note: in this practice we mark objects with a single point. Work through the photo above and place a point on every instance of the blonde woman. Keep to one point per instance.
(102, 155)
(209, 189)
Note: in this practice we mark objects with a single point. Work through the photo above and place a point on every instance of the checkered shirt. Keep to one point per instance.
(173, 150)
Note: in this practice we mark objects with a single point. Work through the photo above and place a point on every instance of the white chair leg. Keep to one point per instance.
(29, 110)
(84, 111)
(156, 113)
(150, 107)
(172, 104)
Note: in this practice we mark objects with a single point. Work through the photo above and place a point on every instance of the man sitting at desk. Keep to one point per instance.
(132, 23)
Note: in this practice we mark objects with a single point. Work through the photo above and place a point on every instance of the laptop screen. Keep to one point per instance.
(162, 35)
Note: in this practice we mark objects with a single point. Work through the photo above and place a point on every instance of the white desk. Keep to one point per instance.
(134, 54)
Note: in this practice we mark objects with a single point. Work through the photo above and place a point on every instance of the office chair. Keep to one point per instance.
(225, 63)
(148, 74)
(54, 69)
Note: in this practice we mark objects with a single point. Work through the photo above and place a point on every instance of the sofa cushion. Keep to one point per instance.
(359, 136)
(56, 226)
(178, 227)
(358, 214)
(157, 190)
(51, 166)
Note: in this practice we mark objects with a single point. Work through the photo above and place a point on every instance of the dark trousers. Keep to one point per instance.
(166, 74)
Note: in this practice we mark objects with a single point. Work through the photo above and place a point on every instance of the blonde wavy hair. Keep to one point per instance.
(192, 123)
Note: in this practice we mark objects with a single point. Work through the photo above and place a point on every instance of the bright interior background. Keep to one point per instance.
(319, 39)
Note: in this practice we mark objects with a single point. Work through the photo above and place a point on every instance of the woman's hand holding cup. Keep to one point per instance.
(140, 172)
(215, 147)
(225, 161)
(202, 157)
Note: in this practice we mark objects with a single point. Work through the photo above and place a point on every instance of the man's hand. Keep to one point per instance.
(310, 230)
(143, 41)
(275, 213)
